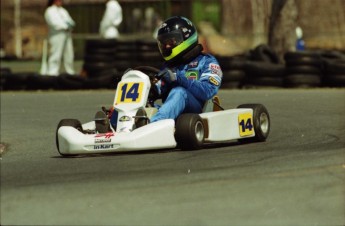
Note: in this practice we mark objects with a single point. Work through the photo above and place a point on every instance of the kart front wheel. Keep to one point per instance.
(190, 132)
(67, 122)
(261, 123)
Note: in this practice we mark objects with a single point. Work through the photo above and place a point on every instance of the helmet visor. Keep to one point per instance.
(167, 42)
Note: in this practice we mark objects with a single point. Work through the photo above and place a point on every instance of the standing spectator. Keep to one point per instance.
(60, 38)
(112, 18)
(300, 45)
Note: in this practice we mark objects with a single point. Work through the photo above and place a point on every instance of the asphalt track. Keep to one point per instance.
(297, 177)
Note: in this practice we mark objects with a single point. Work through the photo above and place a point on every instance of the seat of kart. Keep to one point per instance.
(212, 104)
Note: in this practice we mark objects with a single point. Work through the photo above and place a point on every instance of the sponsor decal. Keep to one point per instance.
(192, 75)
(213, 81)
(103, 146)
(105, 135)
(98, 141)
(193, 64)
(245, 122)
(125, 118)
(215, 69)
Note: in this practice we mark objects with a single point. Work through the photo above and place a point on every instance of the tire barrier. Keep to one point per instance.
(34, 81)
(233, 71)
(109, 54)
(334, 68)
(303, 69)
(105, 61)
(112, 57)
(99, 57)
(264, 74)
(264, 53)
(260, 67)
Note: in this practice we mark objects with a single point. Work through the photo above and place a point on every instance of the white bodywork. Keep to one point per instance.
(223, 125)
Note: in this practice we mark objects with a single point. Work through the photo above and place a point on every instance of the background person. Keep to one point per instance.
(112, 18)
(300, 45)
(60, 38)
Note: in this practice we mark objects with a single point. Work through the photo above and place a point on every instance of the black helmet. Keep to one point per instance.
(176, 36)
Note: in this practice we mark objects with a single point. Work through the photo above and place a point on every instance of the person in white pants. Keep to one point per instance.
(60, 38)
(112, 18)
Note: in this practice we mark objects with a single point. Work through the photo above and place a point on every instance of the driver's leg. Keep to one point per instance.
(178, 101)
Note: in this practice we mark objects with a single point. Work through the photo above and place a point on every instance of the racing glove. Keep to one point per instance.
(167, 75)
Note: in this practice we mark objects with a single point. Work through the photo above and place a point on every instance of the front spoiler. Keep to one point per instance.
(157, 135)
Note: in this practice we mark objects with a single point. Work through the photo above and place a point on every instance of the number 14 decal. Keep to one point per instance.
(129, 92)
(245, 124)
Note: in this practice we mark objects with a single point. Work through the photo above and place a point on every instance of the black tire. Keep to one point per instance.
(305, 60)
(231, 85)
(302, 80)
(335, 67)
(263, 69)
(224, 62)
(5, 70)
(100, 43)
(16, 81)
(109, 81)
(261, 123)
(97, 66)
(190, 132)
(4, 74)
(91, 58)
(102, 51)
(42, 82)
(70, 82)
(265, 81)
(300, 54)
(334, 80)
(233, 75)
(146, 45)
(238, 63)
(332, 55)
(67, 122)
(303, 70)
(265, 53)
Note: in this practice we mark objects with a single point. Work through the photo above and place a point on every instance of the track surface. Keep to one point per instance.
(297, 177)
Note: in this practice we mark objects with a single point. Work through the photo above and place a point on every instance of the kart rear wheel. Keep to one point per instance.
(261, 123)
(190, 132)
(67, 122)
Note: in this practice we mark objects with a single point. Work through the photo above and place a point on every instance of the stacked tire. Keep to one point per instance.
(26, 81)
(4, 74)
(264, 68)
(148, 53)
(264, 74)
(233, 71)
(303, 69)
(334, 70)
(125, 56)
(99, 67)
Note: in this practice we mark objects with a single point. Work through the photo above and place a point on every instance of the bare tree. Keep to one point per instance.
(282, 25)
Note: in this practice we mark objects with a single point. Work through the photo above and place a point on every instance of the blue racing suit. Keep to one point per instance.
(196, 82)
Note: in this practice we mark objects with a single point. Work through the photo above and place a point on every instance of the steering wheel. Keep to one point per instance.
(152, 72)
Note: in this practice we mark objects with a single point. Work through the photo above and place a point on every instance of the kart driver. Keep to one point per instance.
(189, 77)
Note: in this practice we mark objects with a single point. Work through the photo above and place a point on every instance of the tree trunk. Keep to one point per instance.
(283, 22)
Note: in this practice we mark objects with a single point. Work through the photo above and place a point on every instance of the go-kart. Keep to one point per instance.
(134, 102)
